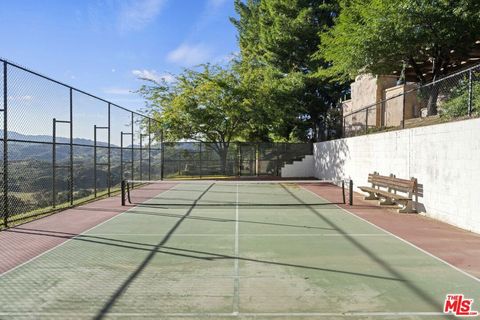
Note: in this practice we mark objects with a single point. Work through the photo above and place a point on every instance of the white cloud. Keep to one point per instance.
(119, 91)
(215, 4)
(136, 14)
(188, 55)
(153, 75)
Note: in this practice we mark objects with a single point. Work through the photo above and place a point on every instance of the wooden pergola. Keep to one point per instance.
(457, 63)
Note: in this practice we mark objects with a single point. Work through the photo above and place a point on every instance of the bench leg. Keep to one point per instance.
(387, 202)
(407, 207)
(371, 196)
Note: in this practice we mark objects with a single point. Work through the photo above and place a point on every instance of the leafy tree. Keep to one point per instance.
(278, 39)
(206, 105)
(380, 36)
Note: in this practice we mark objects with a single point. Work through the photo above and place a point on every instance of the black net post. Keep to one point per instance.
(350, 192)
(343, 192)
(123, 192)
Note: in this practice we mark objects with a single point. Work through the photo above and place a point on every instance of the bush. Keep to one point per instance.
(456, 105)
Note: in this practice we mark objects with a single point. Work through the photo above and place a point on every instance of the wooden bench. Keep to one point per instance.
(392, 186)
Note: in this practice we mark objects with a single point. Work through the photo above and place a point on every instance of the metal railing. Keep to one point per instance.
(452, 97)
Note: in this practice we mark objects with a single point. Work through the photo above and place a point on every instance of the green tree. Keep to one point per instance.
(380, 36)
(278, 39)
(207, 105)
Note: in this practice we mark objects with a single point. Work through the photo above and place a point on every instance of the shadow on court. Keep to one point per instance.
(416, 290)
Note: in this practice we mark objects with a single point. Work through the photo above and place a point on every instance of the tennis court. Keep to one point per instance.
(228, 249)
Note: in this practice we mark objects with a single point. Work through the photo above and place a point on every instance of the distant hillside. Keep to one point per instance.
(31, 150)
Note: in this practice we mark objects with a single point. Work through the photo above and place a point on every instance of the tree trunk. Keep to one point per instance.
(432, 100)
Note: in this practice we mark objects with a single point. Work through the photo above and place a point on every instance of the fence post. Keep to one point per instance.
(5, 147)
(95, 160)
(109, 173)
(366, 121)
(149, 149)
(54, 160)
(470, 93)
(71, 147)
(132, 158)
(121, 155)
(162, 156)
(200, 156)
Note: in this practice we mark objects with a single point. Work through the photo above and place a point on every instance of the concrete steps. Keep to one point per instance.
(302, 168)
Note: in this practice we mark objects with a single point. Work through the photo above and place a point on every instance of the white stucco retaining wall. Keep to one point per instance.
(299, 169)
(445, 158)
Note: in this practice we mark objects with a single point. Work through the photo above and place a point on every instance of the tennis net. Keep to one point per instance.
(146, 192)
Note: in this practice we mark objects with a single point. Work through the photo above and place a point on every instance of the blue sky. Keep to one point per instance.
(103, 46)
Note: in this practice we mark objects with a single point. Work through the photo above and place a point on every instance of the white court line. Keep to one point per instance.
(65, 242)
(236, 286)
(237, 314)
(401, 239)
(244, 235)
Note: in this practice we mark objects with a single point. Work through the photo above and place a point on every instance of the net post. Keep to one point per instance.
(123, 192)
(343, 192)
(350, 192)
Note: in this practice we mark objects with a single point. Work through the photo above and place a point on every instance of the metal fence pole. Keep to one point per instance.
(132, 158)
(95, 160)
(162, 156)
(121, 155)
(109, 164)
(403, 107)
(5, 146)
(366, 121)
(71, 147)
(54, 160)
(200, 160)
(149, 149)
(470, 93)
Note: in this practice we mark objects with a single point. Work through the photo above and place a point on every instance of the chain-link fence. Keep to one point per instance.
(456, 96)
(61, 146)
(200, 159)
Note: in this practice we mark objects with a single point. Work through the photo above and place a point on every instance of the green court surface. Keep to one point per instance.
(233, 250)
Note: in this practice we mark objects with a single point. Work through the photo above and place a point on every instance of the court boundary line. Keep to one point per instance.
(401, 239)
(248, 234)
(236, 285)
(72, 238)
(247, 314)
